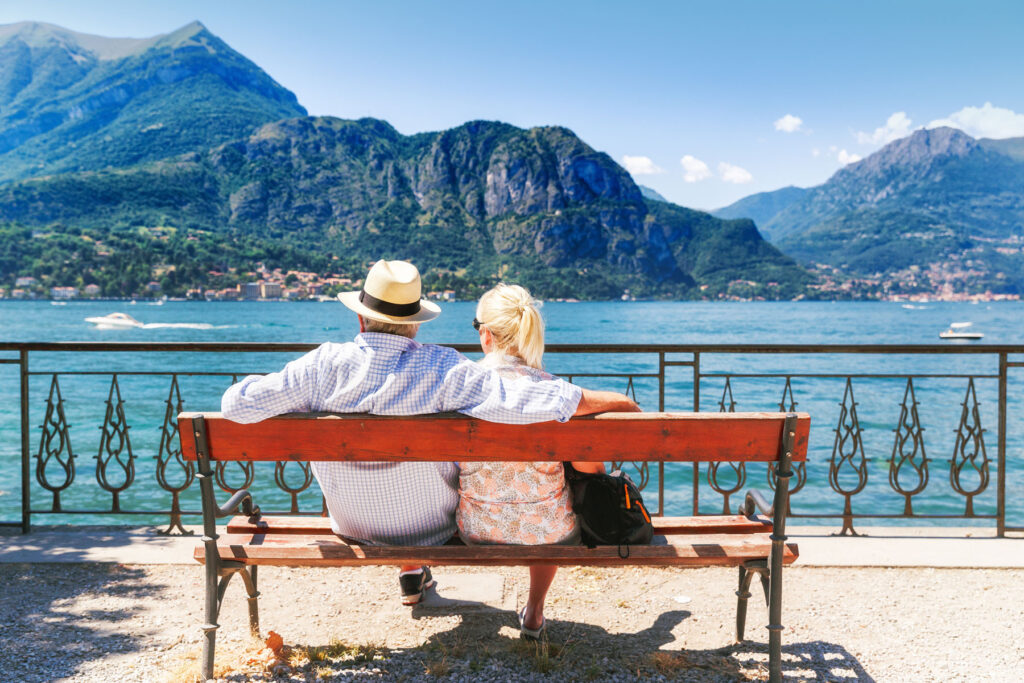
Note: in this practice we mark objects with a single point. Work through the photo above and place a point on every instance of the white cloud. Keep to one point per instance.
(734, 174)
(984, 122)
(641, 165)
(815, 152)
(847, 158)
(789, 123)
(694, 170)
(896, 126)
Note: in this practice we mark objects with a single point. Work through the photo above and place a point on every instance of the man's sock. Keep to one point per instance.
(411, 571)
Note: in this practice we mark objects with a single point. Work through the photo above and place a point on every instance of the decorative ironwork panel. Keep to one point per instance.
(788, 404)
(55, 447)
(969, 452)
(848, 457)
(115, 448)
(643, 471)
(908, 464)
(169, 456)
(246, 469)
(727, 399)
(281, 479)
(732, 469)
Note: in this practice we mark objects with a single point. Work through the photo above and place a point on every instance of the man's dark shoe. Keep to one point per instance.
(414, 585)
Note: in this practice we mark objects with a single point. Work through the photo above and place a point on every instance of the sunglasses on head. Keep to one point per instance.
(476, 324)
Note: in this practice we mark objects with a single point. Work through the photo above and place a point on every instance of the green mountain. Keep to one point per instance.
(937, 209)
(71, 101)
(651, 193)
(763, 206)
(481, 198)
(141, 156)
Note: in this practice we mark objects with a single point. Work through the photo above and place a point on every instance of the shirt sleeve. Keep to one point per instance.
(483, 393)
(258, 397)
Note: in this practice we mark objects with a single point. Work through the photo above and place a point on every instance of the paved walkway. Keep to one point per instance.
(945, 547)
(98, 604)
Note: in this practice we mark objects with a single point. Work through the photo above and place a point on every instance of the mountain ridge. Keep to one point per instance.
(178, 141)
(451, 199)
(936, 201)
(63, 108)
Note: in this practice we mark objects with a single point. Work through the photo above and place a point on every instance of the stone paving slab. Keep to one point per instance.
(878, 547)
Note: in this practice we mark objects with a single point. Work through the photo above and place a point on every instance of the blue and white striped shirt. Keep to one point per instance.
(382, 374)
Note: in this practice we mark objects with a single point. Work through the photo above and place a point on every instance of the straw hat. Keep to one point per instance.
(391, 294)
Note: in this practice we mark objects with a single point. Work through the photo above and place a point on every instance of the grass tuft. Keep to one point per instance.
(438, 668)
(668, 663)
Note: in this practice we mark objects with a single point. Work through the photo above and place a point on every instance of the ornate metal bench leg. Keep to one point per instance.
(210, 627)
(775, 631)
(249, 578)
(741, 602)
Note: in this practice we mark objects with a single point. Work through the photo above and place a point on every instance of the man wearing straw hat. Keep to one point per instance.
(385, 372)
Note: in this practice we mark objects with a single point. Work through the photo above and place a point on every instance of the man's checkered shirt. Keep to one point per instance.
(384, 374)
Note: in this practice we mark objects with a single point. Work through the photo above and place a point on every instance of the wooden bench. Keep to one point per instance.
(753, 540)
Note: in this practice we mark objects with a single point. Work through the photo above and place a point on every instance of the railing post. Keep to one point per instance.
(1001, 455)
(26, 460)
(696, 409)
(661, 409)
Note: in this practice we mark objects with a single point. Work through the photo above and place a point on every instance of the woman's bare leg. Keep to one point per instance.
(541, 576)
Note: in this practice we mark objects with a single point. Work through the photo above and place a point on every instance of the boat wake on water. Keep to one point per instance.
(185, 326)
(123, 321)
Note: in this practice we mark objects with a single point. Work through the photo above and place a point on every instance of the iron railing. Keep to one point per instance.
(841, 470)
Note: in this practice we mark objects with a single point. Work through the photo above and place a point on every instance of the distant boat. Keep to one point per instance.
(58, 303)
(959, 331)
(114, 321)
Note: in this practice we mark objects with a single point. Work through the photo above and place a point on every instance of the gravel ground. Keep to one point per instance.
(103, 623)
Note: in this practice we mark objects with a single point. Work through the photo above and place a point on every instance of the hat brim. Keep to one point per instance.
(428, 311)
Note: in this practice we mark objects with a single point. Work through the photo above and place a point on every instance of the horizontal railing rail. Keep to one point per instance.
(873, 421)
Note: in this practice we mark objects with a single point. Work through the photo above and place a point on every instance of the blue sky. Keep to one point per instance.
(706, 102)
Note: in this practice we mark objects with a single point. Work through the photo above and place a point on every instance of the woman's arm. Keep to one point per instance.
(605, 402)
(589, 467)
(602, 402)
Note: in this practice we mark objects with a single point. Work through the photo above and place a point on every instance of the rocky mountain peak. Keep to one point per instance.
(925, 144)
(917, 151)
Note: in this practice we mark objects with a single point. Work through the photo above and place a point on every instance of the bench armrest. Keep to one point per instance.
(755, 501)
(241, 498)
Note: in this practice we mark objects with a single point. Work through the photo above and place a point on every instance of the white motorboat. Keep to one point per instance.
(959, 331)
(114, 321)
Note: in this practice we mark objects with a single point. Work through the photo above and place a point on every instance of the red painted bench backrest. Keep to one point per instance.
(678, 437)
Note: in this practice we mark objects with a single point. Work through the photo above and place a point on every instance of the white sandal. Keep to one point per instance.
(529, 633)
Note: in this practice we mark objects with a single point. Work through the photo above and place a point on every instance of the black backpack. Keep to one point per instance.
(610, 509)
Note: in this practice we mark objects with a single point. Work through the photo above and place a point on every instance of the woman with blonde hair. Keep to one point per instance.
(519, 503)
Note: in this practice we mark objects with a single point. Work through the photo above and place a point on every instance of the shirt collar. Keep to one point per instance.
(390, 342)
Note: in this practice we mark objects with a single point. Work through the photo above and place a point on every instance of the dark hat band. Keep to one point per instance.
(388, 308)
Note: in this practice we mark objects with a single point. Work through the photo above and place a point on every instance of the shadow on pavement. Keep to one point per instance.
(52, 624)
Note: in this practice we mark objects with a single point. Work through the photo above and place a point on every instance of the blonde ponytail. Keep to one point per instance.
(514, 320)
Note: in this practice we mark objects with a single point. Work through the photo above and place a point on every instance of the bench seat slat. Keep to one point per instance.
(718, 524)
(291, 550)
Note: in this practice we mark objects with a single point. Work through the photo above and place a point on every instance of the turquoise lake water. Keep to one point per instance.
(878, 399)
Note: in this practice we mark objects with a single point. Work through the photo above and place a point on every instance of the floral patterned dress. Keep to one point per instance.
(515, 503)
